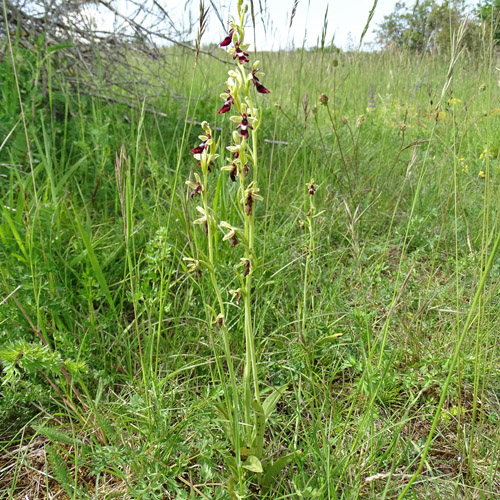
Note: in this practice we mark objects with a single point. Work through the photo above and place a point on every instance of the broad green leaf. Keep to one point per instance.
(270, 402)
(245, 452)
(252, 463)
(259, 428)
(329, 338)
(224, 421)
(277, 467)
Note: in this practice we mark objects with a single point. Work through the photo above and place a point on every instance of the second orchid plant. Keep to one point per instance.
(244, 413)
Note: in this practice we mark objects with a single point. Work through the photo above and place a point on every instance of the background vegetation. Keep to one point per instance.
(390, 364)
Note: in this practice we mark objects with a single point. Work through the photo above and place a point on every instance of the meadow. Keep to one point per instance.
(376, 315)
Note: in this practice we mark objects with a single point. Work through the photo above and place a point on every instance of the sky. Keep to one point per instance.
(346, 21)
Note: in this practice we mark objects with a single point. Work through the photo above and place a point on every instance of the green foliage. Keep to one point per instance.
(357, 311)
(427, 26)
(489, 12)
(23, 358)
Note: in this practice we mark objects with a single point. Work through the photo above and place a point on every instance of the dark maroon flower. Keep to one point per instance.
(227, 104)
(196, 191)
(312, 189)
(198, 149)
(249, 204)
(238, 53)
(228, 39)
(234, 240)
(244, 126)
(246, 272)
(234, 172)
(236, 154)
(260, 88)
(201, 147)
(245, 171)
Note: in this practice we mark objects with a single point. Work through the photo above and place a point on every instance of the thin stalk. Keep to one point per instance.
(225, 332)
(310, 251)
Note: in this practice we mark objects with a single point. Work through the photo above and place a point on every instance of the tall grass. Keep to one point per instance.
(378, 314)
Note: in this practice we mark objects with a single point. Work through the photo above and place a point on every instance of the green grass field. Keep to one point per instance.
(378, 317)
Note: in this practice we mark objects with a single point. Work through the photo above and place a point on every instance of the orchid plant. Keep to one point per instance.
(245, 412)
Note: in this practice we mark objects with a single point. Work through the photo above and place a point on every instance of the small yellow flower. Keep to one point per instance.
(482, 174)
(454, 101)
(485, 153)
(462, 159)
(465, 169)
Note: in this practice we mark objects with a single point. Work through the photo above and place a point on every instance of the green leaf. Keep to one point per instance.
(94, 261)
(231, 488)
(277, 467)
(329, 338)
(252, 463)
(59, 46)
(55, 435)
(245, 452)
(271, 401)
(224, 421)
(15, 234)
(259, 428)
(62, 473)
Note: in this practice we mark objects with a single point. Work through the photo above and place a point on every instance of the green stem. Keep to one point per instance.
(306, 272)
(232, 406)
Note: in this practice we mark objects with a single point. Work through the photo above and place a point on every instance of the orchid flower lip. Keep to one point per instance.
(255, 80)
(198, 149)
(260, 88)
(227, 103)
(233, 173)
(240, 54)
(244, 126)
(229, 38)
